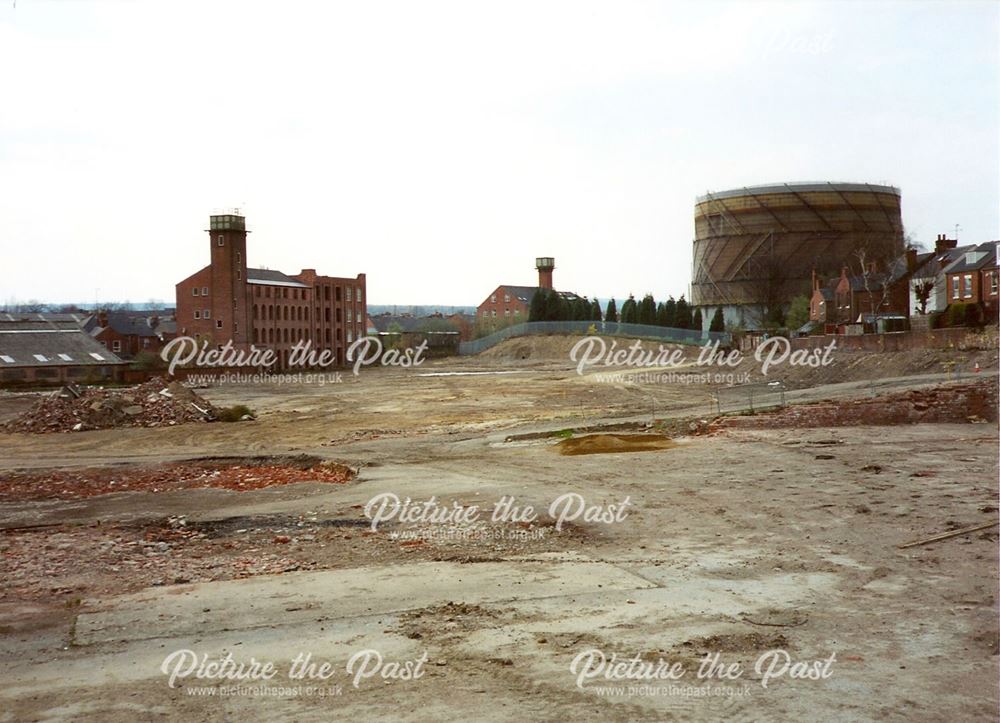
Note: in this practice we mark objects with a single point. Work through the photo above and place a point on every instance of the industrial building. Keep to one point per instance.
(757, 247)
(52, 348)
(229, 301)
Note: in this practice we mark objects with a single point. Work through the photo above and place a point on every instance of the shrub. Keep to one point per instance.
(234, 414)
(955, 315)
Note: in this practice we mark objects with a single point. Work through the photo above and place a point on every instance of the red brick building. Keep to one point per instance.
(510, 304)
(867, 296)
(973, 277)
(229, 301)
(128, 333)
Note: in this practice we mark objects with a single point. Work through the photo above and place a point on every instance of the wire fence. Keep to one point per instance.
(749, 397)
(660, 334)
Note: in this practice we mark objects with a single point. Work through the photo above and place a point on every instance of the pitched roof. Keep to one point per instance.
(982, 256)
(527, 293)
(77, 317)
(940, 260)
(270, 277)
(34, 344)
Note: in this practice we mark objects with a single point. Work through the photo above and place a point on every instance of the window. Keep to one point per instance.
(145, 343)
(239, 257)
(236, 327)
(204, 291)
(206, 314)
(350, 336)
(218, 323)
(506, 312)
(197, 314)
(968, 285)
(348, 292)
(116, 345)
(221, 241)
(358, 294)
(42, 357)
(506, 298)
(494, 313)
(954, 287)
(993, 283)
(357, 318)
(96, 356)
(493, 298)
(239, 275)
(194, 291)
(7, 359)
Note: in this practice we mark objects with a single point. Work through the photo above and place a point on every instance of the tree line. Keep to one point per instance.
(549, 305)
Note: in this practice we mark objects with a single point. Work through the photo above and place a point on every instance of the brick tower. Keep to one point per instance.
(545, 265)
(230, 321)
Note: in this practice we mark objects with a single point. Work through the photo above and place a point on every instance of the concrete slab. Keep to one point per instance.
(299, 597)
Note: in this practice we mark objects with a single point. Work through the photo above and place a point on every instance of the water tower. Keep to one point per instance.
(545, 265)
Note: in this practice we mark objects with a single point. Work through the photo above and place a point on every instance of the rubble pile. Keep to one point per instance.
(947, 403)
(58, 484)
(152, 404)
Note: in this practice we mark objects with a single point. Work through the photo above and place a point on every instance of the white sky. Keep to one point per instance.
(441, 147)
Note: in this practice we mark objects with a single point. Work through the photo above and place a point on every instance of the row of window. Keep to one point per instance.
(349, 293)
(280, 292)
(291, 336)
(506, 312)
(294, 313)
(204, 291)
(493, 298)
(961, 287)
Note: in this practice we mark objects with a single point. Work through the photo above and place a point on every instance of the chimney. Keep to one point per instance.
(545, 265)
(102, 319)
(911, 260)
(815, 280)
(943, 243)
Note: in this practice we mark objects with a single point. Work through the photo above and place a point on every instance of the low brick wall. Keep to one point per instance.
(954, 338)
(948, 403)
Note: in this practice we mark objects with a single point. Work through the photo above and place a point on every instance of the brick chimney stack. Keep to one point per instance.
(545, 265)
(911, 260)
(943, 243)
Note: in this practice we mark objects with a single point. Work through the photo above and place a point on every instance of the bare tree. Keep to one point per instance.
(922, 290)
(876, 283)
(771, 286)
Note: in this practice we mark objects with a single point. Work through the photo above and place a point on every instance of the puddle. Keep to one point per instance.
(614, 443)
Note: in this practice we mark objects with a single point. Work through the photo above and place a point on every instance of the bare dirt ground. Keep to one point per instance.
(736, 539)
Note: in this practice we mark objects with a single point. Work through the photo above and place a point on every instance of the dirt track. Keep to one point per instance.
(737, 542)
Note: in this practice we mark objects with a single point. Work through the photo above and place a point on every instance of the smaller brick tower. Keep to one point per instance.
(545, 265)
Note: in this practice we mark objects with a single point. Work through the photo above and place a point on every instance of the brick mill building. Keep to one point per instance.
(229, 301)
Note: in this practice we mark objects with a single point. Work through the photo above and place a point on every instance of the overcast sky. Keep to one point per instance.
(441, 147)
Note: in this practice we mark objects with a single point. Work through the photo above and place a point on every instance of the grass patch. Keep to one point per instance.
(234, 413)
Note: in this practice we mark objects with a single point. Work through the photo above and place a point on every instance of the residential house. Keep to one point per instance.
(972, 277)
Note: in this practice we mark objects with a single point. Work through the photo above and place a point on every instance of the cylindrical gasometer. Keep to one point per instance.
(758, 246)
